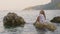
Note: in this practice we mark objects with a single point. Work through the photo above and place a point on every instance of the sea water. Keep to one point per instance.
(30, 17)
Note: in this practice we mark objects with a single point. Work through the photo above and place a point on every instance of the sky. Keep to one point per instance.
(20, 4)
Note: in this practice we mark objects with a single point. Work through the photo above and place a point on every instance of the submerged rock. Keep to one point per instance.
(56, 19)
(13, 20)
(49, 26)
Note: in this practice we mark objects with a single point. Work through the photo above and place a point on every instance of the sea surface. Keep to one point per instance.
(30, 17)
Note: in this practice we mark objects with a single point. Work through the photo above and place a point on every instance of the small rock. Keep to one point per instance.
(56, 19)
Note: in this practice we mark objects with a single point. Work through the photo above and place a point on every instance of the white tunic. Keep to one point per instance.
(42, 18)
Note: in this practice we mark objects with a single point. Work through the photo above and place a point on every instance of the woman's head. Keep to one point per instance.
(42, 12)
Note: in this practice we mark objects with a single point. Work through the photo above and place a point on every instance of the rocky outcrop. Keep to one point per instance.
(13, 20)
(56, 19)
(49, 26)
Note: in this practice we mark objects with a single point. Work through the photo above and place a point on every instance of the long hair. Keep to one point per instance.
(42, 12)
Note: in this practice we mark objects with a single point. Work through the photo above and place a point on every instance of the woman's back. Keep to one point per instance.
(41, 18)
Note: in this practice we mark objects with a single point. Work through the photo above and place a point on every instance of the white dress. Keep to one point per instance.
(42, 18)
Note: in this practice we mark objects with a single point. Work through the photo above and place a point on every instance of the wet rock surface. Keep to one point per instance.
(13, 20)
(56, 19)
(48, 26)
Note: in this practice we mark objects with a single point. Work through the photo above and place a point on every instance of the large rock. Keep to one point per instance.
(56, 19)
(13, 20)
(49, 26)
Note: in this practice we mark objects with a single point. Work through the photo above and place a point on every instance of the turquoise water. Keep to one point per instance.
(30, 17)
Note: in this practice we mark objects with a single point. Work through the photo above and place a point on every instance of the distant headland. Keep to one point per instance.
(53, 5)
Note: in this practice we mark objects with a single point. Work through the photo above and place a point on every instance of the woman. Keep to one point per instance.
(42, 23)
(41, 18)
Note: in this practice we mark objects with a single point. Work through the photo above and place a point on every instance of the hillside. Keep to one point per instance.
(55, 4)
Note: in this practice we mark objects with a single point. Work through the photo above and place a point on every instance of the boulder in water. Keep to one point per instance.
(49, 26)
(13, 20)
(56, 19)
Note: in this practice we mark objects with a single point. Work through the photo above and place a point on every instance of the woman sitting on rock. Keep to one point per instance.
(41, 18)
(42, 23)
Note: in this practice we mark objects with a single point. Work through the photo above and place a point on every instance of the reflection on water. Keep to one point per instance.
(13, 30)
(39, 31)
(30, 17)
